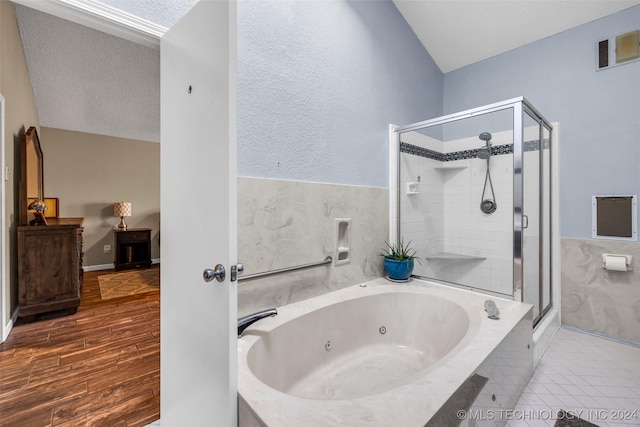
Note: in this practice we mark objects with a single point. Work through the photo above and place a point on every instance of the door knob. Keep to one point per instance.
(217, 273)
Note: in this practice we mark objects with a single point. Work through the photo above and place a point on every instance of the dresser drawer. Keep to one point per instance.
(133, 236)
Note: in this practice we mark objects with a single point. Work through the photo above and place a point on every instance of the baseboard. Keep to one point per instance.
(605, 337)
(7, 328)
(98, 267)
(111, 266)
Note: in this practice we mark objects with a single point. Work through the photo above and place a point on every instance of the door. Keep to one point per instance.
(198, 353)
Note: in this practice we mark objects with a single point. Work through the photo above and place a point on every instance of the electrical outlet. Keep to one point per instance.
(107, 249)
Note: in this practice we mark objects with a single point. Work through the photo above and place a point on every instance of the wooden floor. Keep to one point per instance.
(98, 367)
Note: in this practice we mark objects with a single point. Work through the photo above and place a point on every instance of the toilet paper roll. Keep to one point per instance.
(615, 263)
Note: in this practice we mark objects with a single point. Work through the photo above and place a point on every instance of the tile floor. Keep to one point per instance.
(592, 377)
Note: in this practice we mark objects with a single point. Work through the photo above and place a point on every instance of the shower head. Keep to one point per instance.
(485, 136)
(485, 152)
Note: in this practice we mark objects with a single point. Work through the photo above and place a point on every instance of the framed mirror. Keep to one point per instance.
(31, 173)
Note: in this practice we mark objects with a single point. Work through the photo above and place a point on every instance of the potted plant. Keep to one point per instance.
(399, 260)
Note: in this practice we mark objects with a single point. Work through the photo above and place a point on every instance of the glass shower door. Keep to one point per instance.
(536, 218)
(447, 168)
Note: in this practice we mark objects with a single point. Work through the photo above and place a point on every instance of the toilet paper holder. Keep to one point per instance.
(627, 260)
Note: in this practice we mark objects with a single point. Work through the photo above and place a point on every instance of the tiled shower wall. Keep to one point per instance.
(445, 216)
(422, 213)
(287, 223)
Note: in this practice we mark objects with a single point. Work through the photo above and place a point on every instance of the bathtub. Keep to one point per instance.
(374, 354)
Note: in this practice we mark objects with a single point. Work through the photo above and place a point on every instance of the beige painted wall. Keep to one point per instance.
(89, 172)
(20, 114)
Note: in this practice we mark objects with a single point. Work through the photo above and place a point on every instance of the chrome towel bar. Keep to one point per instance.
(327, 260)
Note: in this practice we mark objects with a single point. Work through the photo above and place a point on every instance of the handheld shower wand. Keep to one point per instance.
(488, 205)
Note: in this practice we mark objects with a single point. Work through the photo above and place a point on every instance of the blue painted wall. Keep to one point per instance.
(318, 84)
(598, 112)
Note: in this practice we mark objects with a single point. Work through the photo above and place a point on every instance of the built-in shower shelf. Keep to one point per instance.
(412, 187)
(446, 167)
(450, 256)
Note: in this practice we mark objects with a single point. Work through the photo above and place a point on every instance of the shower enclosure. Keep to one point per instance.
(473, 195)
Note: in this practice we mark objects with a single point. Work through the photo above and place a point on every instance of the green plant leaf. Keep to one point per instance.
(400, 251)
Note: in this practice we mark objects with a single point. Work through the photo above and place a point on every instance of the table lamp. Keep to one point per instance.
(122, 209)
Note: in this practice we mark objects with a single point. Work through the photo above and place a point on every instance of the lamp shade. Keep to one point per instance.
(122, 209)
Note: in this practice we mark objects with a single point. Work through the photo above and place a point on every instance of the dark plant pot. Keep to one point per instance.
(398, 270)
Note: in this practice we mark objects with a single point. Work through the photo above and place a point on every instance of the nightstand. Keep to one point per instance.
(133, 248)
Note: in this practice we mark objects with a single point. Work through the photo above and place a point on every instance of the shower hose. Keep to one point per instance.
(488, 207)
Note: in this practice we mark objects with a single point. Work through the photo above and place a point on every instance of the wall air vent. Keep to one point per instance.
(603, 54)
(618, 50)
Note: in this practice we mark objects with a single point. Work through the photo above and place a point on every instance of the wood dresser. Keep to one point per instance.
(49, 267)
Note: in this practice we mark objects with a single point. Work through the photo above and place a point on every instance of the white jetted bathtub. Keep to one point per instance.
(378, 354)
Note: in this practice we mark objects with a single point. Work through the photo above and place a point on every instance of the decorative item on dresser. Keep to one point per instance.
(133, 248)
(38, 206)
(49, 267)
(51, 206)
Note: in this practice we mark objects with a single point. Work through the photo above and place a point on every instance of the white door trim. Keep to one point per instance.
(5, 304)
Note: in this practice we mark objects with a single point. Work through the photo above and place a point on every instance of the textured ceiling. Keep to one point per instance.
(161, 12)
(89, 81)
(458, 33)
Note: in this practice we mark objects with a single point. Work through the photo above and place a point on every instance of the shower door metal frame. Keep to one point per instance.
(519, 105)
(542, 124)
(546, 125)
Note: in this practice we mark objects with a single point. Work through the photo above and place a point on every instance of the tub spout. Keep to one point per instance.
(246, 321)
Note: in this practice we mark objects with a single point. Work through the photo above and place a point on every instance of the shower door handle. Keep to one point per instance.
(525, 221)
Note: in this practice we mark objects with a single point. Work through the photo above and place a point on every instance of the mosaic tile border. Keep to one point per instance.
(421, 152)
(466, 154)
